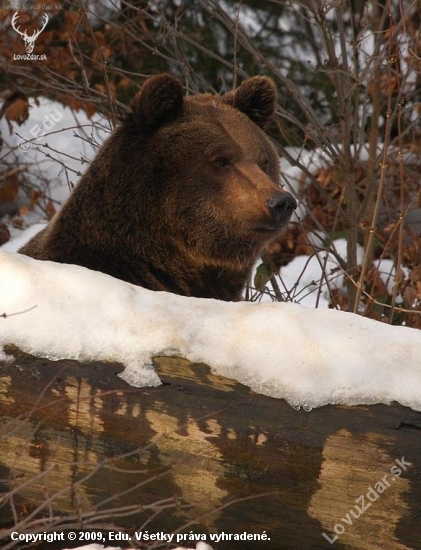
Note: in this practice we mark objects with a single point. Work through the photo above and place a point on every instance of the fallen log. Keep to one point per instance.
(200, 455)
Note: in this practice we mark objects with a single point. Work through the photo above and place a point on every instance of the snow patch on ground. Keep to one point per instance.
(309, 279)
(21, 237)
(52, 148)
(284, 350)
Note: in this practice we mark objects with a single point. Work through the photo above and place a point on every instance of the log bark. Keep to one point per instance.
(81, 449)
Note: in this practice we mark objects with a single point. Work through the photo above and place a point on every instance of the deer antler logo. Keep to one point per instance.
(29, 40)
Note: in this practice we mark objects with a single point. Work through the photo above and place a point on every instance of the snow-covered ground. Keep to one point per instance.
(52, 147)
(310, 357)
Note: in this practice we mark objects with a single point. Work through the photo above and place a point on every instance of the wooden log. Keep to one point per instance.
(81, 449)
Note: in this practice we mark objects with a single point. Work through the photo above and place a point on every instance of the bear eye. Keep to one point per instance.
(222, 162)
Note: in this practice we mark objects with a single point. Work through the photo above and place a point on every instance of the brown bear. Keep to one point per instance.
(182, 197)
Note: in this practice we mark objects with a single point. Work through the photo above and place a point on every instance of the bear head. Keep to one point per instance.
(183, 196)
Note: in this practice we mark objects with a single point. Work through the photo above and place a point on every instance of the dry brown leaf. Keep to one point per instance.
(9, 189)
(35, 195)
(50, 208)
(15, 108)
(409, 295)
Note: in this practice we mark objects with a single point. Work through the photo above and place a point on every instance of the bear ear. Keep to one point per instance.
(158, 102)
(256, 97)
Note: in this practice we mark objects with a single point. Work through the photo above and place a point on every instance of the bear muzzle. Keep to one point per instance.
(281, 206)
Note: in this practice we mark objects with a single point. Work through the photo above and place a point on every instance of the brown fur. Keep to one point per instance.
(179, 197)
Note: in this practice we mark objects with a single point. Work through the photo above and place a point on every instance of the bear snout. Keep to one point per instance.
(281, 206)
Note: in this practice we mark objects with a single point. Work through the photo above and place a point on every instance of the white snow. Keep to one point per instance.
(51, 148)
(284, 350)
(55, 125)
(387, 270)
(309, 279)
(21, 237)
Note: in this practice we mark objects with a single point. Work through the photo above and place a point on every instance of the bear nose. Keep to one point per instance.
(281, 206)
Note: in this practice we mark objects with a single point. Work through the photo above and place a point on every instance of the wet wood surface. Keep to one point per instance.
(81, 448)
